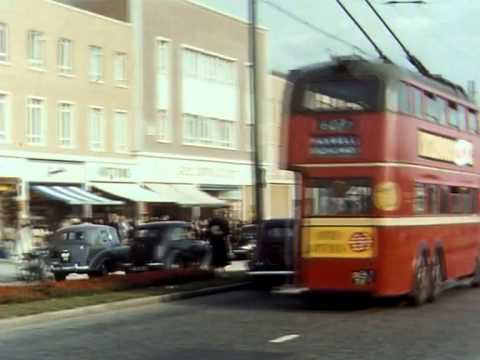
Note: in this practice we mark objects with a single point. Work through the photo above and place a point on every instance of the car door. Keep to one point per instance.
(100, 246)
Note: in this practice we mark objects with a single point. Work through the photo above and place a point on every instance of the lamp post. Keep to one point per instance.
(256, 156)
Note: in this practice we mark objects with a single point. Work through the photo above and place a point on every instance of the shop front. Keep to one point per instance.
(198, 187)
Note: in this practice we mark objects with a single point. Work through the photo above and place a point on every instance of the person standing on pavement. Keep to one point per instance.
(217, 233)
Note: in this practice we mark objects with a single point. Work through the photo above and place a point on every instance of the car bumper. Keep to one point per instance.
(70, 268)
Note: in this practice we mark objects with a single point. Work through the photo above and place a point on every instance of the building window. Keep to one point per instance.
(209, 99)
(65, 56)
(36, 49)
(201, 130)
(162, 75)
(3, 42)
(121, 131)
(96, 64)
(163, 125)
(4, 117)
(36, 121)
(120, 69)
(472, 121)
(96, 129)
(65, 125)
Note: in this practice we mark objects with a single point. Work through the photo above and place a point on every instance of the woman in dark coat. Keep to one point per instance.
(217, 232)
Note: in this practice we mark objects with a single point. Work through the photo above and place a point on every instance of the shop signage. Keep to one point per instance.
(114, 173)
(335, 145)
(110, 172)
(459, 152)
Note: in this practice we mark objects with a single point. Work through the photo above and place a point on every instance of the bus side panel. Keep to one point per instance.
(399, 247)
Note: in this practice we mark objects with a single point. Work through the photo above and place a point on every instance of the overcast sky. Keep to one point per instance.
(443, 34)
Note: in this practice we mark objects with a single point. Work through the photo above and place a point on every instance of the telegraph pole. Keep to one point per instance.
(258, 172)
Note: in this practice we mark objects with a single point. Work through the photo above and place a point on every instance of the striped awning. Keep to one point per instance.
(73, 195)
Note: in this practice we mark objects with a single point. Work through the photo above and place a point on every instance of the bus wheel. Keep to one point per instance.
(436, 280)
(476, 274)
(421, 282)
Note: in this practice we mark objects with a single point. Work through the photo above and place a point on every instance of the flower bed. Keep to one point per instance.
(52, 289)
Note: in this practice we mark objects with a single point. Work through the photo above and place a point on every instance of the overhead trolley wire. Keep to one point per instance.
(364, 32)
(315, 27)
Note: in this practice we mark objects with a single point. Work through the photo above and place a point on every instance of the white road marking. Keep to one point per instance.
(284, 338)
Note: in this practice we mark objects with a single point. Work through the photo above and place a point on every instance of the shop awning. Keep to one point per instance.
(169, 193)
(133, 192)
(73, 195)
(195, 197)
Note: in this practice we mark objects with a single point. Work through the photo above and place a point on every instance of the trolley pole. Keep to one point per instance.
(258, 173)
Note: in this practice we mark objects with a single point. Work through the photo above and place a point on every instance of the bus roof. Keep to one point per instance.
(357, 66)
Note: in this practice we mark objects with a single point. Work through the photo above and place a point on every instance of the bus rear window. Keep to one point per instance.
(338, 197)
(340, 95)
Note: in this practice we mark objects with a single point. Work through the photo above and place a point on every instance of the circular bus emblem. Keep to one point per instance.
(386, 196)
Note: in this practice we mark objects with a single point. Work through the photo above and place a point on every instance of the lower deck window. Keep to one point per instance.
(437, 199)
(338, 197)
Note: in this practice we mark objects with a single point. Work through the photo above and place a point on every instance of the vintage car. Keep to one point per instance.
(273, 262)
(244, 246)
(86, 249)
(168, 244)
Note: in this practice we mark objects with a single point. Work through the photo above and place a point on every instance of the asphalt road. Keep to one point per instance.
(241, 325)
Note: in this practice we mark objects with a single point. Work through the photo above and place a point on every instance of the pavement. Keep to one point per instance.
(8, 271)
(244, 324)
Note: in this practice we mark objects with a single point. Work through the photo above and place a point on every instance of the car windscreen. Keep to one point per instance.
(339, 95)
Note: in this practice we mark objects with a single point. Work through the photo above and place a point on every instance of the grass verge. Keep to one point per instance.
(99, 296)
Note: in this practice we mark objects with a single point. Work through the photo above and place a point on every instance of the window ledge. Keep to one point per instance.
(100, 82)
(121, 86)
(210, 146)
(37, 69)
(5, 63)
(72, 147)
(163, 141)
(65, 75)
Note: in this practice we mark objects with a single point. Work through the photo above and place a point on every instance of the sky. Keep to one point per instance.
(443, 34)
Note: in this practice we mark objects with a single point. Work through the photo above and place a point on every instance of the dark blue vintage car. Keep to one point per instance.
(86, 249)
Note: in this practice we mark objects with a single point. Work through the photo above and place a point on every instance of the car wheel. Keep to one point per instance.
(174, 261)
(60, 276)
(206, 262)
(102, 271)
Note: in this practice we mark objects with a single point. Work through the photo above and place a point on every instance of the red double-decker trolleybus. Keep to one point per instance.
(389, 173)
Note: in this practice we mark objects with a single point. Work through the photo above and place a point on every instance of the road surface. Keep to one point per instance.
(249, 325)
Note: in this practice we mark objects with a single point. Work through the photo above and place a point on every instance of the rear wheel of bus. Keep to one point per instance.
(422, 282)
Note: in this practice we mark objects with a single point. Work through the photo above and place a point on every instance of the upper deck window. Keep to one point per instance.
(340, 95)
(442, 111)
(462, 118)
(405, 103)
(418, 103)
(431, 108)
(452, 115)
(472, 121)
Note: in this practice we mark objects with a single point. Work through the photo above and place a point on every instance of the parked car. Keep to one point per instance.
(273, 262)
(245, 244)
(86, 249)
(168, 244)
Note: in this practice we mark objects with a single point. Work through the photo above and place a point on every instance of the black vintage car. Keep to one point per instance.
(273, 262)
(86, 249)
(168, 244)
(245, 244)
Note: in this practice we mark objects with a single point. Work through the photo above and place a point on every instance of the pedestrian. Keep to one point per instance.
(217, 232)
